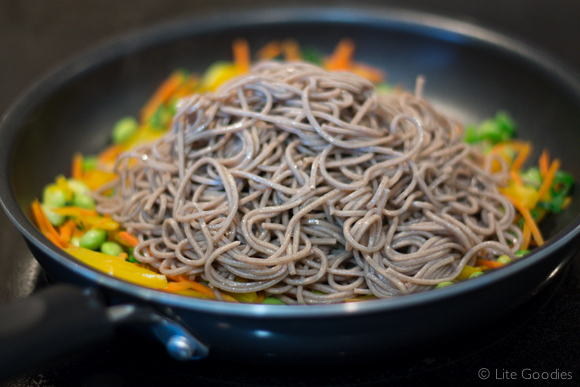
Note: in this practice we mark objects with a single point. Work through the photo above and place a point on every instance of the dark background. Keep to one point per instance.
(37, 35)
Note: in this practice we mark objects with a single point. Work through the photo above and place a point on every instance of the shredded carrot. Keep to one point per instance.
(201, 288)
(177, 286)
(161, 95)
(527, 235)
(291, 50)
(548, 178)
(241, 51)
(131, 239)
(341, 58)
(521, 158)
(529, 220)
(488, 264)
(371, 73)
(261, 297)
(123, 255)
(544, 162)
(45, 226)
(270, 50)
(66, 230)
(77, 166)
(109, 154)
(515, 177)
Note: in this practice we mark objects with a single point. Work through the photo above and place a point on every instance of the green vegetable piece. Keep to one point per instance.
(312, 55)
(75, 241)
(161, 118)
(124, 129)
(111, 248)
(471, 136)
(78, 187)
(506, 124)
(273, 301)
(53, 196)
(90, 163)
(54, 218)
(521, 253)
(532, 176)
(475, 275)
(93, 239)
(504, 259)
(84, 201)
(444, 284)
(383, 88)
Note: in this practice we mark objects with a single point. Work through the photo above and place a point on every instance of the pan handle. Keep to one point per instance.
(58, 320)
(49, 324)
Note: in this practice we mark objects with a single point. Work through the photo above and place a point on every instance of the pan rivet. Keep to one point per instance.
(180, 348)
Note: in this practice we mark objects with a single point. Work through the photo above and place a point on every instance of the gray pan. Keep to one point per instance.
(471, 73)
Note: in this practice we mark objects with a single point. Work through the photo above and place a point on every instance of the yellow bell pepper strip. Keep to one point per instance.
(118, 267)
(525, 196)
(75, 212)
(62, 184)
(466, 272)
(217, 74)
(246, 298)
(95, 179)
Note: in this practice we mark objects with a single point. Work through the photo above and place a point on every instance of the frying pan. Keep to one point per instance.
(471, 72)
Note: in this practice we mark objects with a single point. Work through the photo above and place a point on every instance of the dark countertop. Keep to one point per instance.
(544, 336)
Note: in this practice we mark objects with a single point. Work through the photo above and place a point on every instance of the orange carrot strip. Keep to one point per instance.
(526, 237)
(291, 50)
(45, 226)
(544, 162)
(548, 178)
(261, 297)
(77, 166)
(110, 154)
(270, 50)
(515, 177)
(341, 58)
(123, 255)
(241, 51)
(488, 264)
(66, 230)
(521, 158)
(370, 73)
(75, 211)
(177, 286)
(129, 238)
(529, 221)
(161, 95)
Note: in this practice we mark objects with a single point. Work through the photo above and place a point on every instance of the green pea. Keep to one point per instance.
(273, 301)
(78, 187)
(54, 218)
(90, 163)
(53, 196)
(124, 129)
(93, 239)
(111, 248)
(84, 201)
(75, 241)
(504, 259)
(521, 253)
(443, 284)
(475, 275)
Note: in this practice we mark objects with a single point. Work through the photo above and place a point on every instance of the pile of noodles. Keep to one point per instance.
(308, 185)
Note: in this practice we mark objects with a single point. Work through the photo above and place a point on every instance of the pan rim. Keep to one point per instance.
(376, 16)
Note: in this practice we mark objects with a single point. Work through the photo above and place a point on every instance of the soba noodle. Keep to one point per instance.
(308, 185)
